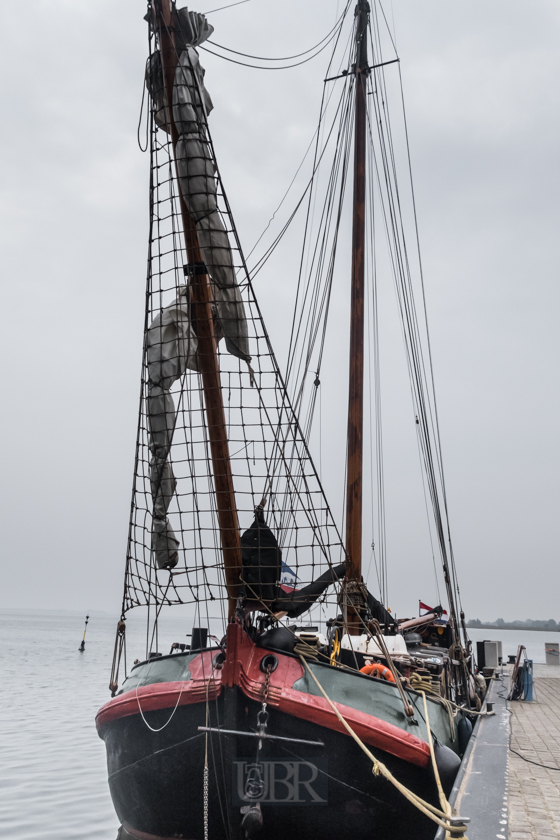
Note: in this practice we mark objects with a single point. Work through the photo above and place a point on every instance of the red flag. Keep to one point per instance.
(428, 609)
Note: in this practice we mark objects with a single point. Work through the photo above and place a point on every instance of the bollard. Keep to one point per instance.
(528, 680)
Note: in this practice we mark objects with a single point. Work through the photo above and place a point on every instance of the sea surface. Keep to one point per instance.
(53, 777)
(533, 640)
(53, 774)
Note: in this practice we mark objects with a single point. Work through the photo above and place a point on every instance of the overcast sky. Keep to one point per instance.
(483, 105)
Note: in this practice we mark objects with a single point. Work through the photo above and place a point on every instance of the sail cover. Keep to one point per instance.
(262, 561)
(263, 571)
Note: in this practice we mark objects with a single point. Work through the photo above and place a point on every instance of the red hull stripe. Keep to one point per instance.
(372, 730)
(152, 698)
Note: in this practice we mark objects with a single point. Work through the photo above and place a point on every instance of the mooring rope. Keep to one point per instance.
(379, 769)
(445, 806)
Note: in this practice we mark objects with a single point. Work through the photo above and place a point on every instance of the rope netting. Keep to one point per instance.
(174, 552)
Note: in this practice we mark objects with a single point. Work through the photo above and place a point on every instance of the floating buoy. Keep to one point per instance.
(83, 644)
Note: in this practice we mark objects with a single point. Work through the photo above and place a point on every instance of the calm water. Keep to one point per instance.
(53, 777)
(534, 640)
(52, 764)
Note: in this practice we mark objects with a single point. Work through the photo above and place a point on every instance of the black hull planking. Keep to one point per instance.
(156, 777)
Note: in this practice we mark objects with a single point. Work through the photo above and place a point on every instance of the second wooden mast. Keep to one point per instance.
(354, 456)
(203, 325)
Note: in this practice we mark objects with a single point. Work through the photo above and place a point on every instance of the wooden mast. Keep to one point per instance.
(203, 325)
(356, 383)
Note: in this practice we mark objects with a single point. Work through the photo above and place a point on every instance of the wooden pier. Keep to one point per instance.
(509, 784)
(534, 790)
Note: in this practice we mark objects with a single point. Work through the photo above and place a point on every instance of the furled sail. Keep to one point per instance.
(197, 173)
(171, 342)
(171, 349)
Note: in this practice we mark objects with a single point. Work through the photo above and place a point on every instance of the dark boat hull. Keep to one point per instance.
(156, 778)
(156, 752)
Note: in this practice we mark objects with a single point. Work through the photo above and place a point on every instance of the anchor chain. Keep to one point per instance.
(262, 716)
(254, 785)
(205, 798)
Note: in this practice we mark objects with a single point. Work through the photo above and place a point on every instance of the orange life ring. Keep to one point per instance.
(376, 669)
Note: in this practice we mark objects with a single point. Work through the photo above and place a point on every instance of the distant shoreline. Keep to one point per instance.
(512, 627)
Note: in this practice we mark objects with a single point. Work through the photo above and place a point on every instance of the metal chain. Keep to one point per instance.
(205, 795)
(254, 785)
(267, 683)
(262, 716)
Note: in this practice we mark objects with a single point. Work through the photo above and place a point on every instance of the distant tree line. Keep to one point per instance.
(528, 624)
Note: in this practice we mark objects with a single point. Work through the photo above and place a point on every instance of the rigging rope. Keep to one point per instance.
(284, 66)
(420, 372)
(316, 163)
(314, 289)
(221, 8)
(286, 57)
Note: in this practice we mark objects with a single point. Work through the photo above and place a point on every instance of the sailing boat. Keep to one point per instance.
(271, 726)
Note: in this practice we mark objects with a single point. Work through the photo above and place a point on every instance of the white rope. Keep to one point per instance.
(141, 685)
